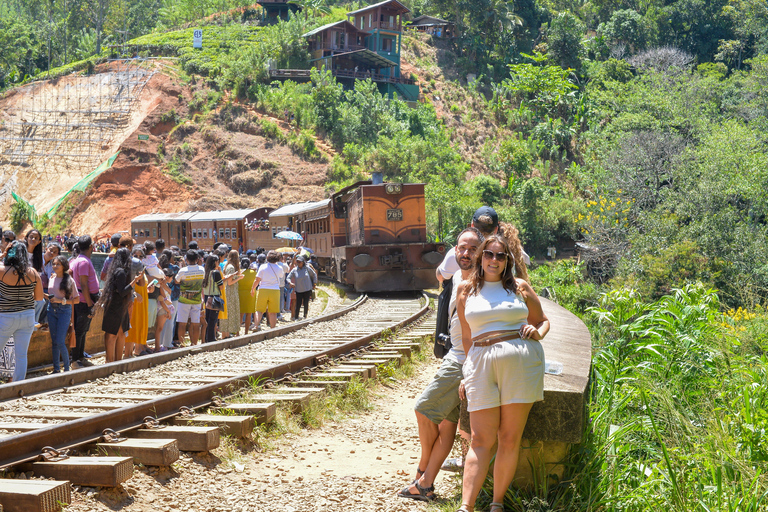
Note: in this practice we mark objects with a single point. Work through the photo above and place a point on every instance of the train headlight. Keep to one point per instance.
(394, 188)
(363, 260)
(432, 258)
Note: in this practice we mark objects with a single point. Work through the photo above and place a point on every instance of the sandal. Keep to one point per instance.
(498, 507)
(422, 495)
(464, 508)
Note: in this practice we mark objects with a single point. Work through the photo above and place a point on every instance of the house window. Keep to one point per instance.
(370, 20)
(362, 22)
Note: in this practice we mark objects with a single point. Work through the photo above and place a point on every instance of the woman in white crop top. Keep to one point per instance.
(502, 324)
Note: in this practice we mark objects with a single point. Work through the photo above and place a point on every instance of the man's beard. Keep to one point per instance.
(465, 263)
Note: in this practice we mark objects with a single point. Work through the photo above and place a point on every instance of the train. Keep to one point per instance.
(371, 235)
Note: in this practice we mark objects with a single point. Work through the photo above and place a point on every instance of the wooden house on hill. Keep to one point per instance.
(334, 40)
(433, 26)
(272, 10)
(366, 46)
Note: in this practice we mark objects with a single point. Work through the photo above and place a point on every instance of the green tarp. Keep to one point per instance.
(83, 183)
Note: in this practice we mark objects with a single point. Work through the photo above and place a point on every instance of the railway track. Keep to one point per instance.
(147, 410)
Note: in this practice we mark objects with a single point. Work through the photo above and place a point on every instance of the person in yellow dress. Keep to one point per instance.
(247, 301)
(136, 337)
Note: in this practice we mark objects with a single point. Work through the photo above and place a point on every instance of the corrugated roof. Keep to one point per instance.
(162, 217)
(329, 25)
(402, 7)
(424, 17)
(293, 209)
(223, 215)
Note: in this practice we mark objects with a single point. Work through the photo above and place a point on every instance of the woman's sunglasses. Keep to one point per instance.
(489, 255)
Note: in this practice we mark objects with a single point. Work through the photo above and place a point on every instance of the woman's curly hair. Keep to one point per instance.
(511, 233)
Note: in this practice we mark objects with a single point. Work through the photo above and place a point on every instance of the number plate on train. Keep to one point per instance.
(395, 214)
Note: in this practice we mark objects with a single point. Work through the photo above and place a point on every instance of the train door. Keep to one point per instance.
(183, 236)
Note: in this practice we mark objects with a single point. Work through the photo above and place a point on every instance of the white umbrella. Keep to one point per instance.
(289, 235)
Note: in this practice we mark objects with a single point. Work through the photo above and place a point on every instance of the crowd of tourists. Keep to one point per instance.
(257, 225)
(148, 297)
(494, 362)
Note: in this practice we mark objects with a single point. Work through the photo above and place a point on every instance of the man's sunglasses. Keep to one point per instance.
(489, 255)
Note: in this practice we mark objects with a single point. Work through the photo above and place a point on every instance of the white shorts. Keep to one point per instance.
(188, 313)
(504, 373)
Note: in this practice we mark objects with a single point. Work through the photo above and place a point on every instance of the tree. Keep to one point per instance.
(564, 40)
(314, 6)
(750, 20)
(626, 27)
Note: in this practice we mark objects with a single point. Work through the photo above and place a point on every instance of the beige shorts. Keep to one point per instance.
(504, 373)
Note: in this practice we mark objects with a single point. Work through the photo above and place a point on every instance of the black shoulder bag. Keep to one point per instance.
(443, 321)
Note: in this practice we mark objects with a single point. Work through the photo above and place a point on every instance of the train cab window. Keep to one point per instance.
(340, 209)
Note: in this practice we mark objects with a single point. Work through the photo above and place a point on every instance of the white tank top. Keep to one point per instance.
(495, 309)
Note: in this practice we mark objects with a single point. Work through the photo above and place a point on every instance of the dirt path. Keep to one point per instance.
(357, 464)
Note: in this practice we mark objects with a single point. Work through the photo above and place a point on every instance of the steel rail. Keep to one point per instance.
(26, 447)
(48, 382)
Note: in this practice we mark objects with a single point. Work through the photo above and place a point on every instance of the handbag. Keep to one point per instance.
(215, 303)
(71, 338)
(443, 321)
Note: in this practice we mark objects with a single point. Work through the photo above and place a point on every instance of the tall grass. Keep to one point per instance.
(678, 410)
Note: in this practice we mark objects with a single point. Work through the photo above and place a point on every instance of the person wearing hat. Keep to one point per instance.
(486, 220)
(304, 279)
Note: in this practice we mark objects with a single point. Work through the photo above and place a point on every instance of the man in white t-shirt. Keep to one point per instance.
(268, 281)
(437, 409)
(286, 269)
(190, 279)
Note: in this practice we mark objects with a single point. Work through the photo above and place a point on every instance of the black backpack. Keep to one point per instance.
(443, 320)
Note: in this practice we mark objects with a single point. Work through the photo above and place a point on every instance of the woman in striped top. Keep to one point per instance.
(20, 287)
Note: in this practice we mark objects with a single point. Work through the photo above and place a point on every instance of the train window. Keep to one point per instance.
(226, 233)
(204, 233)
(135, 233)
(221, 233)
(154, 232)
